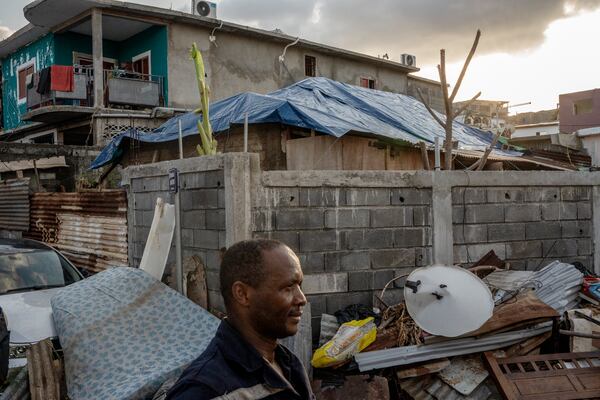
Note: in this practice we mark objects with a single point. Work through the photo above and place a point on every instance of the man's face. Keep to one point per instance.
(276, 304)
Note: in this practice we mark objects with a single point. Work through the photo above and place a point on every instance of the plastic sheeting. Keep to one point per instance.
(124, 333)
(321, 104)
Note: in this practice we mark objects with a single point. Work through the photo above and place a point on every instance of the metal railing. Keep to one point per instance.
(121, 88)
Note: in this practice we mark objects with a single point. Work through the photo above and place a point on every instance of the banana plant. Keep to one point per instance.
(209, 143)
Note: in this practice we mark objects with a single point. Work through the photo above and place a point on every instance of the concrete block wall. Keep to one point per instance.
(527, 226)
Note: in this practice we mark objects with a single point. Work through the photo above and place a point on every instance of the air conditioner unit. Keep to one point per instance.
(204, 8)
(408, 59)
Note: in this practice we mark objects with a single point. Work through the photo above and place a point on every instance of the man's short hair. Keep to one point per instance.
(244, 262)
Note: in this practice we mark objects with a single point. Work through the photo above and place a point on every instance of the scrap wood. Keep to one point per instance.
(354, 387)
(44, 376)
(420, 369)
(528, 346)
(397, 329)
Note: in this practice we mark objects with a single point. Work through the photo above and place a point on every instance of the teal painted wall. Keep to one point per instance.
(43, 52)
(67, 43)
(155, 40)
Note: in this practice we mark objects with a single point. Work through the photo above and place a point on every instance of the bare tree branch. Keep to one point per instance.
(465, 66)
(466, 105)
(433, 114)
(480, 164)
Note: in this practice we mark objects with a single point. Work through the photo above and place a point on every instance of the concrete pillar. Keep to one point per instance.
(238, 201)
(443, 241)
(98, 56)
(596, 227)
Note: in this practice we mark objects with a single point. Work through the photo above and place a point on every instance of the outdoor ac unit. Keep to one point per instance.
(409, 59)
(204, 8)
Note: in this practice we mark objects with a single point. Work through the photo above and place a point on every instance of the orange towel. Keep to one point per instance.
(61, 78)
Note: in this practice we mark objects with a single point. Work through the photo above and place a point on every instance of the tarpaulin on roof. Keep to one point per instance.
(321, 104)
(124, 333)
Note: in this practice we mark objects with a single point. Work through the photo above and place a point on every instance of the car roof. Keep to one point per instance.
(10, 245)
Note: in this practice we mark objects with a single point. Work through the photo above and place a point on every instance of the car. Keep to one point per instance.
(31, 272)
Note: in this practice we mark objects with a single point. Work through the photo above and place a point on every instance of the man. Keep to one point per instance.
(260, 283)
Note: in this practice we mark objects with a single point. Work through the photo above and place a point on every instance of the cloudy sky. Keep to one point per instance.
(530, 50)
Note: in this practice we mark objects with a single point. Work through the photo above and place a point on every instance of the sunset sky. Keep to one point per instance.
(530, 51)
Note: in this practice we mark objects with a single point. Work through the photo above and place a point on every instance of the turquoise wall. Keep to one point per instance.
(43, 52)
(155, 40)
(66, 43)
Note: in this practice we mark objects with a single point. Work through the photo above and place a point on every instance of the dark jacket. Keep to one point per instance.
(233, 369)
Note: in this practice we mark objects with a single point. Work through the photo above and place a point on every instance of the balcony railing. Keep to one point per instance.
(121, 88)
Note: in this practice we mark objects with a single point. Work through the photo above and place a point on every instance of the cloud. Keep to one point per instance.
(419, 27)
(5, 32)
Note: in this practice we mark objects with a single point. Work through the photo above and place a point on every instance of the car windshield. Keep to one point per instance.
(34, 269)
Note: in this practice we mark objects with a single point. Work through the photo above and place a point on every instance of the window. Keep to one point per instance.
(22, 72)
(367, 83)
(310, 66)
(584, 106)
(141, 63)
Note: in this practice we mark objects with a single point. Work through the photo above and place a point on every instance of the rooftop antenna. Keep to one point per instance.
(447, 301)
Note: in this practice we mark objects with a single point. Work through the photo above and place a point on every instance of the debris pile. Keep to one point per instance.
(548, 314)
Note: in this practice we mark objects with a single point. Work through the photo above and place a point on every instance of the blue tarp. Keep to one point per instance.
(321, 104)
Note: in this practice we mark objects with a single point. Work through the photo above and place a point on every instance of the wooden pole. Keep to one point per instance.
(424, 156)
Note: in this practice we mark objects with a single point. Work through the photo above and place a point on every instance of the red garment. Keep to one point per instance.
(61, 78)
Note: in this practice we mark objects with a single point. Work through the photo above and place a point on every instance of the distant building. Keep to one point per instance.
(484, 114)
(579, 110)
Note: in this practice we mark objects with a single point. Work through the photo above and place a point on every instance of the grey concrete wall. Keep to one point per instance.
(244, 63)
(356, 230)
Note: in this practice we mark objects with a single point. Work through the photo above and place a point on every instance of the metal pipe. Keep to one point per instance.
(178, 249)
(437, 154)
(246, 133)
(180, 141)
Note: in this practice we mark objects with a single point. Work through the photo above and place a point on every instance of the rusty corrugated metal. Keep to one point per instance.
(90, 227)
(14, 205)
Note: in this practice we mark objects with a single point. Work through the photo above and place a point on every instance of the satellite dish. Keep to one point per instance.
(203, 8)
(447, 301)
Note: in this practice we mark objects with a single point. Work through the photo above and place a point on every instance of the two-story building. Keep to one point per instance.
(84, 71)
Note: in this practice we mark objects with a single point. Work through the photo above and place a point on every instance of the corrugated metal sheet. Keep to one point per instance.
(14, 205)
(90, 227)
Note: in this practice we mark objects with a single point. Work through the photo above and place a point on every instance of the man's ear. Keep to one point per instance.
(241, 293)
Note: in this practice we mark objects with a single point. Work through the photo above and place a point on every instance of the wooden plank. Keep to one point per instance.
(314, 153)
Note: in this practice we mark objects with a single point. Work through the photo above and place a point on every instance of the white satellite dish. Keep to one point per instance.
(447, 301)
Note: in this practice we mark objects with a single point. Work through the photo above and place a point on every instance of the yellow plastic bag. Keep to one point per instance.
(350, 339)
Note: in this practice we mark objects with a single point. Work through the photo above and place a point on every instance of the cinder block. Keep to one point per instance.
(347, 261)
(289, 238)
(325, 283)
(367, 197)
(458, 195)
(192, 180)
(321, 197)
(187, 237)
(222, 239)
(392, 296)
(411, 196)
(576, 229)
(404, 272)
(575, 193)
(369, 239)
(410, 237)
(559, 211)
(524, 249)
(522, 213)
(460, 255)
(584, 247)
(312, 263)
(221, 198)
(470, 233)
(137, 185)
(543, 230)
(347, 218)
(458, 214)
(484, 213)
(423, 256)
(263, 220)
(476, 251)
(204, 198)
(206, 239)
(422, 216)
(339, 301)
(518, 265)
(475, 195)
(584, 210)
(212, 260)
(214, 178)
(318, 304)
(390, 217)
(284, 197)
(299, 219)
(393, 258)
(559, 248)
(360, 280)
(542, 194)
(381, 278)
(215, 219)
(506, 232)
(318, 240)
(144, 201)
(505, 195)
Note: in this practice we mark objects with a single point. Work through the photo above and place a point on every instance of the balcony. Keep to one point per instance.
(122, 90)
